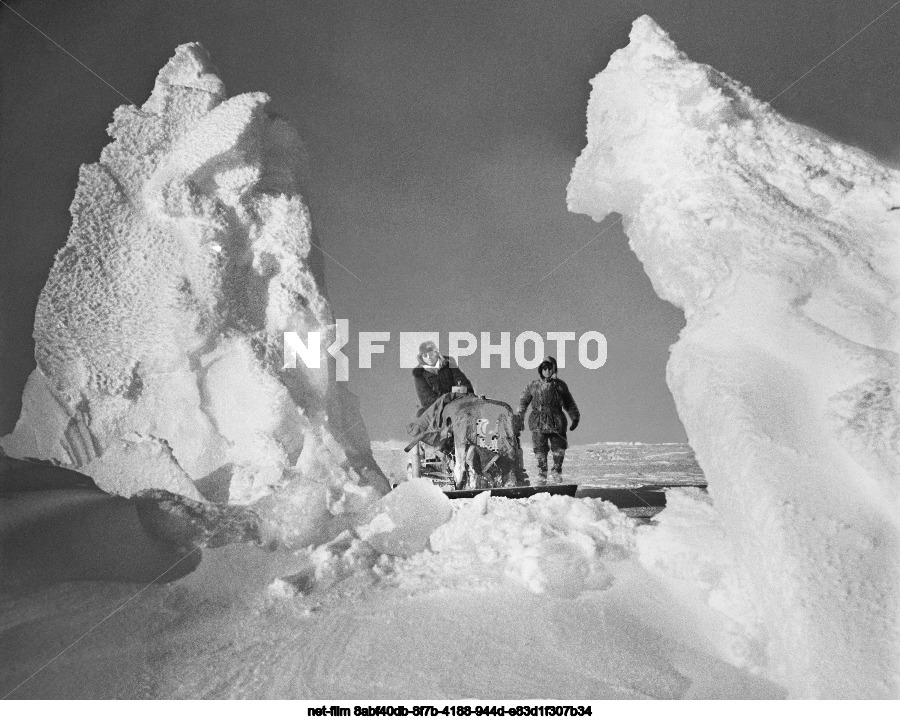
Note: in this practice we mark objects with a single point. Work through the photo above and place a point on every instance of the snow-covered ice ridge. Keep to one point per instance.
(158, 334)
(780, 245)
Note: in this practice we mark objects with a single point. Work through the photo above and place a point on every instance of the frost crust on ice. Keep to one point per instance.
(159, 332)
(780, 245)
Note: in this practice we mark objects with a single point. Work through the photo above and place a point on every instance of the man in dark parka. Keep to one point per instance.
(548, 397)
(435, 375)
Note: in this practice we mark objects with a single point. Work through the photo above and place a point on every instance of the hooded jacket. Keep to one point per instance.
(548, 397)
(431, 385)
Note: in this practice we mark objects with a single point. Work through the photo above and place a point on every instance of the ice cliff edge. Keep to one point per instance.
(159, 332)
(781, 246)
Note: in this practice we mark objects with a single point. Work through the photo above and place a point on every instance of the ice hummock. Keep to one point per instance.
(419, 540)
(401, 523)
(780, 245)
(158, 335)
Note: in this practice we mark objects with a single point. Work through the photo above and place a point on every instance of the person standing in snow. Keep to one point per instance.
(435, 375)
(548, 397)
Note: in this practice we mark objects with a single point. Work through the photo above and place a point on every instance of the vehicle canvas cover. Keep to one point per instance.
(487, 424)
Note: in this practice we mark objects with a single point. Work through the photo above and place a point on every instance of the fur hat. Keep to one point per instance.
(548, 362)
(430, 345)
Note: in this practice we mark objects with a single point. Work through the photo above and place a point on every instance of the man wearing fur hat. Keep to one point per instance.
(548, 397)
(436, 375)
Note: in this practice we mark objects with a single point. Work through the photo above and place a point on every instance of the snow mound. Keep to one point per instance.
(553, 545)
(416, 539)
(780, 245)
(190, 253)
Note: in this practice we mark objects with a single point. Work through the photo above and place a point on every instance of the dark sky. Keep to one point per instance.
(441, 136)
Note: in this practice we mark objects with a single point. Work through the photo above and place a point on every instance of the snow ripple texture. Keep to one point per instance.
(780, 245)
(159, 332)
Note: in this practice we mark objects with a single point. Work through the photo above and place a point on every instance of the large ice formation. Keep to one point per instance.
(159, 332)
(781, 246)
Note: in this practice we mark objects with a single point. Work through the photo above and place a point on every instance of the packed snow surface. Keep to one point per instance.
(158, 336)
(780, 245)
(510, 599)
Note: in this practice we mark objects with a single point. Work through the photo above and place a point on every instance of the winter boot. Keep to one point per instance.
(541, 479)
(559, 455)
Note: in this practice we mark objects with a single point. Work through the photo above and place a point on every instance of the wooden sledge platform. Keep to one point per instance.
(563, 489)
(650, 495)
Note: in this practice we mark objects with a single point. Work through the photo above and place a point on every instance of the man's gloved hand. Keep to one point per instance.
(574, 424)
(518, 422)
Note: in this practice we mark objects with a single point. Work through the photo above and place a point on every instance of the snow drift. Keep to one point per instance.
(780, 245)
(159, 332)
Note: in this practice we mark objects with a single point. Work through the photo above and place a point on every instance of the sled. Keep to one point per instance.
(651, 495)
(556, 489)
(454, 464)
